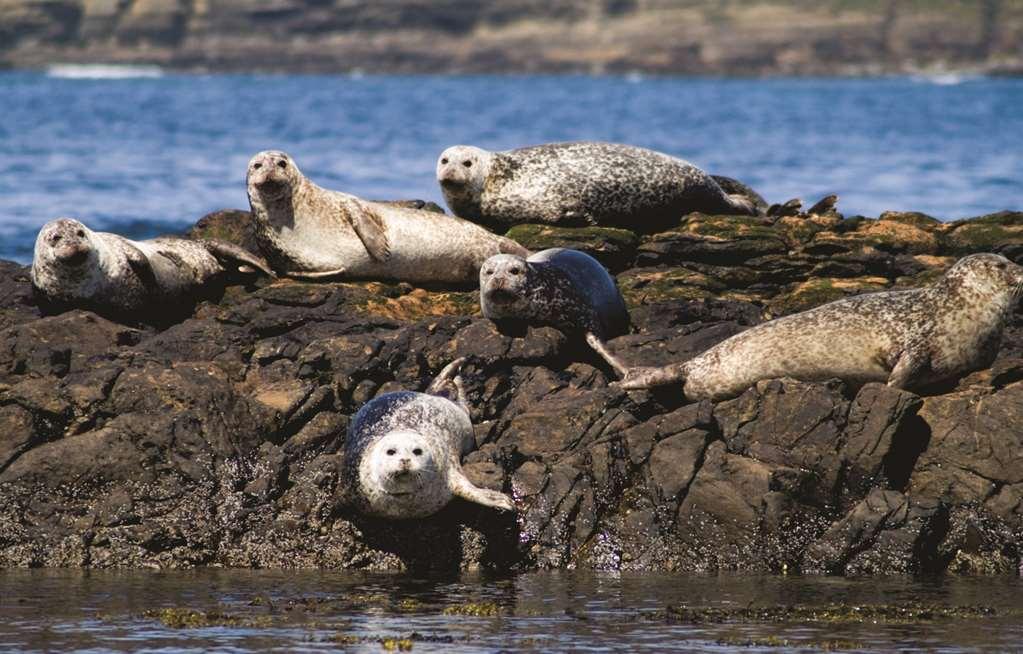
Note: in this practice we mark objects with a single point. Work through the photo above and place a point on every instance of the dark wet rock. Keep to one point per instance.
(216, 441)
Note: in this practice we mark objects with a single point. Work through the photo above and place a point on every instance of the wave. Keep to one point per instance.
(946, 79)
(102, 71)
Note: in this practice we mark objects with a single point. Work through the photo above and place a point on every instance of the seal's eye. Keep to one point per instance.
(444, 161)
(417, 451)
(467, 164)
(488, 271)
(282, 164)
(81, 234)
(392, 452)
(257, 166)
(55, 239)
(515, 271)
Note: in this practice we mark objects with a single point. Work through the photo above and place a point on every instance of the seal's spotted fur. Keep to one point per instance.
(562, 288)
(583, 183)
(403, 453)
(75, 266)
(307, 231)
(907, 338)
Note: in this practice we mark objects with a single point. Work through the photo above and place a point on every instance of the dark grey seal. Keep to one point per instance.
(908, 339)
(566, 289)
(583, 183)
(403, 453)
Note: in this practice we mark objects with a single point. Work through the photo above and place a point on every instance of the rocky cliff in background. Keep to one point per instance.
(658, 36)
(217, 441)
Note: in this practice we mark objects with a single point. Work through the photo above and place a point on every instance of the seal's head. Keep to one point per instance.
(272, 175)
(985, 276)
(504, 285)
(64, 243)
(400, 475)
(462, 171)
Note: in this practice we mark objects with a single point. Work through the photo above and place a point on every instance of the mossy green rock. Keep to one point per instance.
(612, 247)
(986, 233)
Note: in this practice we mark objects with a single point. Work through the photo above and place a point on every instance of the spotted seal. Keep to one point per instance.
(73, 266)
(566, 289)
(402, 457)
(310, 232)
(908, 339)
(580, 183)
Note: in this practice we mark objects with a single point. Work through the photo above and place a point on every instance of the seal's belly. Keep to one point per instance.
(730, 368)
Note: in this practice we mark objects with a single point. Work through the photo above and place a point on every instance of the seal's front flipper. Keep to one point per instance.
(370, 228)
(140, 265)
(906, 369)
(640, 377)
(462, 487)
(231, 254)
(601, 348)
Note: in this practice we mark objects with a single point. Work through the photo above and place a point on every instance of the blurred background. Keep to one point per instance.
(138, 116)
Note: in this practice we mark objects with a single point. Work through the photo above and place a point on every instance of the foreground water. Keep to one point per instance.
(248, 611)
(150, 154)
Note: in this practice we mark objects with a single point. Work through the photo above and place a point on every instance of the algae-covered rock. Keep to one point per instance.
(988, 233)
(615, 248)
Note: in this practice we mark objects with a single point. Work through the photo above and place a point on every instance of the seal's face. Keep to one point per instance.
(504, 280)
(63, 243)
(462, 170)
(987, 274)
(272, 175)
(402, 474)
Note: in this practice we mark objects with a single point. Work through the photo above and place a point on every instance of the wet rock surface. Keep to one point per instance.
(217, 441)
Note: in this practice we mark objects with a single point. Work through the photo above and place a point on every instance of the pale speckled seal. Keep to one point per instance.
(566, 289)
(307, 231)
(907, 338)
(74, 266)
(403, 452)
(581, 183)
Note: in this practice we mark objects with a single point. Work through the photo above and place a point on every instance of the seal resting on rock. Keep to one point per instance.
(309, 232)
(73, 266)
(566, 289)
(402, 457)
(581, 183)
(908, 339)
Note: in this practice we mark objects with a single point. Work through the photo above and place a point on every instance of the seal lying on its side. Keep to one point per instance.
(310, 232)
(75, 266)
(583, 183)
(908, 338)
(566, 289)
(403, 453)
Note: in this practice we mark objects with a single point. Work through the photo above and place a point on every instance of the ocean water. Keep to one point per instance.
(141, 153)
(244, 611)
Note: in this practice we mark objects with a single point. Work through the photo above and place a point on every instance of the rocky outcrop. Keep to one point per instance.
(658, 36)
(217, 441)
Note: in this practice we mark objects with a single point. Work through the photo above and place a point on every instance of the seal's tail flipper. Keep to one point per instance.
(742, 197)
(231, 254)
(640, 377)
(448, 382)
(601, 348)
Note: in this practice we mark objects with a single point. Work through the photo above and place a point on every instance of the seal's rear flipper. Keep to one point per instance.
(315, 276)
(231, 254)
(447, 378)
(462, 487)
(640, 377)
(601, 348)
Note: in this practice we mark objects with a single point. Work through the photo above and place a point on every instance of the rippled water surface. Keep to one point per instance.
(150, 154)
(248, 611)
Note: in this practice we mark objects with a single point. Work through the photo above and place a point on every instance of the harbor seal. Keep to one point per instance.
(402, 457)
(309, 232)
(580, 183)
(909, 339)
(566, 289)
(73, 266)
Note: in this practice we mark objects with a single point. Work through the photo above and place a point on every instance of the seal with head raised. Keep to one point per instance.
(566, 289)
(581, 183)
(909, 339)
(402, 457)
(74, 266)
(309, 232)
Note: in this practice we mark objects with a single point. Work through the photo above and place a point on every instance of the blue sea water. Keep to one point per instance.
(151, 154)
